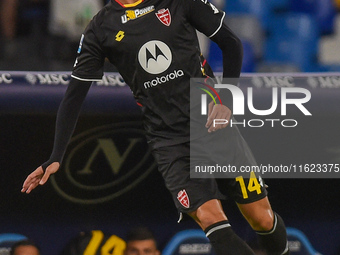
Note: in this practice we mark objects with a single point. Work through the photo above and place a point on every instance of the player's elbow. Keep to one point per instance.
(228, 42)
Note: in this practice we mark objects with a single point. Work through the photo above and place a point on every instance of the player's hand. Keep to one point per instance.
(38, 177)
(218, 111)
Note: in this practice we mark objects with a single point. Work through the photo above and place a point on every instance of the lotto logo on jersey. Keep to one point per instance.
(164, 16)
(134, 14)
(183, 198)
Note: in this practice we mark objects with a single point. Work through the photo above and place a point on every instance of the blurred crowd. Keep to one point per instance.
(42, 34)
(137, 241)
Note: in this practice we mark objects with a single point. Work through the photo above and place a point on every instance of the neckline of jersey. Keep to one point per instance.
(129, 5)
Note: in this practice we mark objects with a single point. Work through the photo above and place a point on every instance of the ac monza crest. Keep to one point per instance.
(183, 198)
(164, 16)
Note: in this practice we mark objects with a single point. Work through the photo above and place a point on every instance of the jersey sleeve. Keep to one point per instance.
(67, 117)
(90, 59)
(204, 16)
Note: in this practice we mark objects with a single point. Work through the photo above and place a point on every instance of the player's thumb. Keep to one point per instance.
(51, 169)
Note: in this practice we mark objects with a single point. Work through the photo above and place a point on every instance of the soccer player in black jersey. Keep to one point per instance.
(154, 46)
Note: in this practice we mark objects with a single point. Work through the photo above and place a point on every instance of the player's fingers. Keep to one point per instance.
(31, 184)
(34, 177)
(44, 178)
(221, 114)
(209, 122)
(32, 187)
(213, 117)
(223, 118)
(26, 183)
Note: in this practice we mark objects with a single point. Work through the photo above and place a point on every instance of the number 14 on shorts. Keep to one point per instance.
(253, 185)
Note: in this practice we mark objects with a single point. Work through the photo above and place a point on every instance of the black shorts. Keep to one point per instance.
(189, 193)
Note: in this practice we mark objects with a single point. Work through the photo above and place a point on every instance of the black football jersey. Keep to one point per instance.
(154, 46)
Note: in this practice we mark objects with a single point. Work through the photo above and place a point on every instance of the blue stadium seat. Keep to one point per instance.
(248, 28)
(299, 243)
(259, 8)
(302, 27)
(294, 39)
(323, 10)
(283, 50)
(192, 241)
(297, 25)
(216, 63)
(279, 5)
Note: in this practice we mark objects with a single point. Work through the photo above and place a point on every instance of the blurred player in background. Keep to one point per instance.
(25, 247)
(10, 22)
(154, 46)
(141, 241)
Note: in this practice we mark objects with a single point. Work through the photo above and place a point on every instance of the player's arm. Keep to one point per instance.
(67, 117)
(209, 20)
(232, 51)
(232, 54)
(88, 67)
